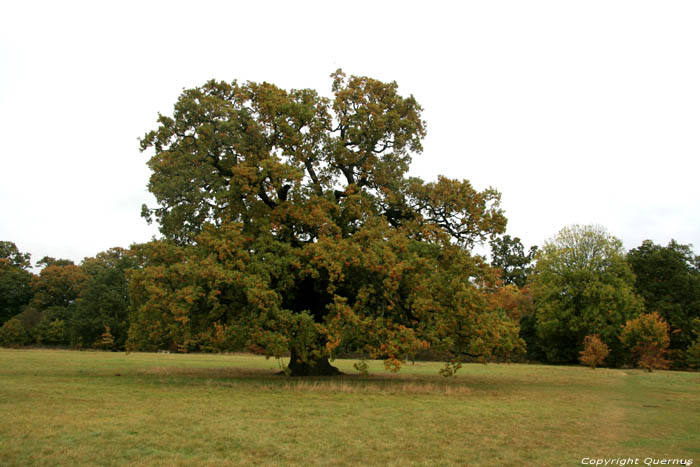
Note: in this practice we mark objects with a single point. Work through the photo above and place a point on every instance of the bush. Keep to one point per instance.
(13, 334)
(594, 351)
(362, 367)
(647, 340)
(50, 332)
(106, 340)
(693, 355)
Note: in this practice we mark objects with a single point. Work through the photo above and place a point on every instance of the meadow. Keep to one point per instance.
(99, 408)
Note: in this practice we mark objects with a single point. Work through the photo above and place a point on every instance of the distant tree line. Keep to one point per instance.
(581, 297)
(577, 298)
(79, 306)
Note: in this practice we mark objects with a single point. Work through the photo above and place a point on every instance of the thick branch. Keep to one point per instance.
(282, 193)
(266, 199)
(387, 145)
(347, 171)
(314, 177)
(216, 162)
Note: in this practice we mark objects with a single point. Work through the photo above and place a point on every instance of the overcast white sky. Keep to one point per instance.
(578, 112)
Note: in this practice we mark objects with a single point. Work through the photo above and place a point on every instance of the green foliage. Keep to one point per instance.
(582, 285)
(508, 255)
(13, 334)
(594, 351)
(56, 289)
(58, 286)
(233, 290)
(291, 226)
(104, 299)
(68, 304)
(668, 278)
(15, 288)
(51, 261)
(647, 339)
(517, 304)
(15, 281)
(220, 338)
(362, 367)
(106, 341)
(693, 355)
(10, 254)
(450, 369)
(50, 332)
(30, 317)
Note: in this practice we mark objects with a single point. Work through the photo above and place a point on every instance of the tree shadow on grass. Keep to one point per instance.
(346, 383)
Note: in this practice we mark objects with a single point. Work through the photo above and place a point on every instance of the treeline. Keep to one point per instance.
(578, 298)
(80, 306)
(581, 297)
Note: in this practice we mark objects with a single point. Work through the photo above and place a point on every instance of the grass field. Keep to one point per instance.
(93, 408)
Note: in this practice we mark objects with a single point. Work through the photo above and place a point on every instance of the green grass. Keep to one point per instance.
(93, 408)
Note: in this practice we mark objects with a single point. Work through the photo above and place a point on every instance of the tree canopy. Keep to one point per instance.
(15, 280)
(103, 303)
(293, 226)
(508, 255)
(668, 278)
(10, 255)
(581, 286)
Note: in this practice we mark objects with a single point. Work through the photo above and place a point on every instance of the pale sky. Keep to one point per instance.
(577, 112)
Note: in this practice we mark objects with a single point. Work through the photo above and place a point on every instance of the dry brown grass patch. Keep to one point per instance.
(272, 380)
(353, 386)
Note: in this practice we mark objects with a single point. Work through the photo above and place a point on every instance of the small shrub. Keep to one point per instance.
(692, 355)
(362, 367)
(647, 339)
(106, 341)
(594, 351)
(450, 369)
(13, 334)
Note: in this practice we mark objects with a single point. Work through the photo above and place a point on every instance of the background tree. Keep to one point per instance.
(73, 305)
(12, 256)
(51, 330)
(55, 291)
(594, 351)
(58, 286)
(668, 278)
(13, 334)
(646, 337)
(104, 299)
(518, 306)
(293, 226)
(15, 281)
(693, 352)
(51, 261)
(508, 255)
(515, 266)
(582, 285)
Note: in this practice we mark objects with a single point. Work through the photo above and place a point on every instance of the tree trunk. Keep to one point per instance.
(320, 367)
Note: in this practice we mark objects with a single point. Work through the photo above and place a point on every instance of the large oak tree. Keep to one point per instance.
(291, 226)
